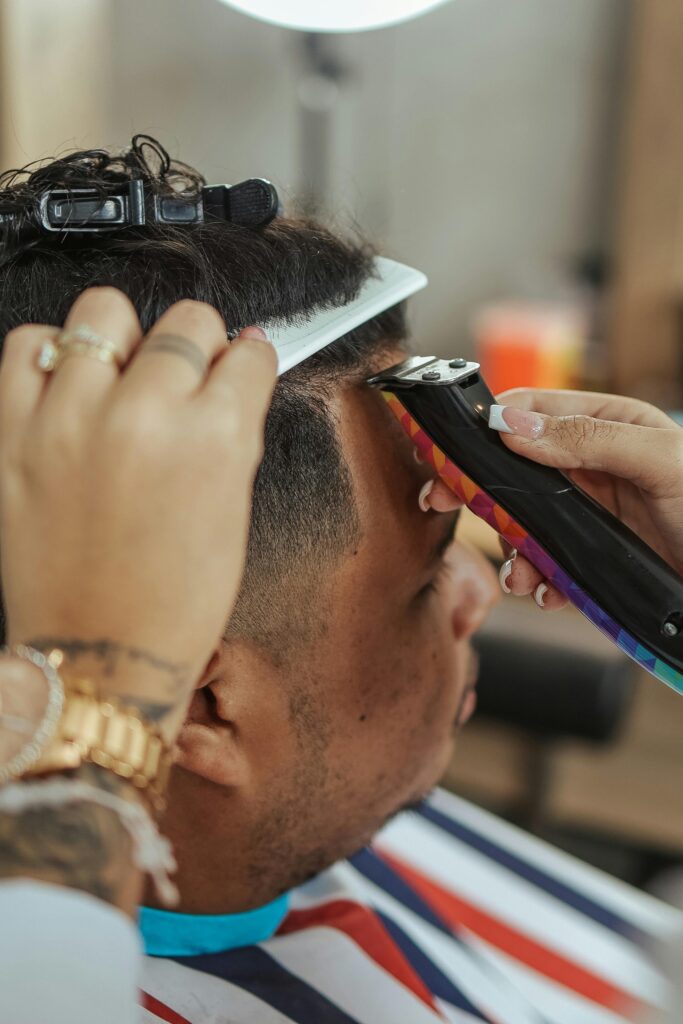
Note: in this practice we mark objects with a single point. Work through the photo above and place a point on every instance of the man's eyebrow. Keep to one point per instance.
(445, 541)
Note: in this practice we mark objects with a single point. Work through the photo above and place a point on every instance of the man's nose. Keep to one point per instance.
(474, 587)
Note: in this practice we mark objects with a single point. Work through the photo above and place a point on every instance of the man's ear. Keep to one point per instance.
(208, 743)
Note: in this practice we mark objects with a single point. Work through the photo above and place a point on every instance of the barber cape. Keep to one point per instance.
(451, 915)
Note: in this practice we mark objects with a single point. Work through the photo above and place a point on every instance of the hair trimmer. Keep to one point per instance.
(621, 585)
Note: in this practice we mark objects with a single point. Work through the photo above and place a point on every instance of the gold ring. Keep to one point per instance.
(83, 333)
(80, 341)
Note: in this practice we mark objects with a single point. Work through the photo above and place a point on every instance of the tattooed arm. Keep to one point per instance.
(68, 952)
(156, 686)
(84, 845)
(80, 845)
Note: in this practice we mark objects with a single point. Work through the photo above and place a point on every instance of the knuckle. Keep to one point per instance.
(637, 411)
(136, 423)
(106, 292)
(643, 411)
(102, 296)
(579, 431)
(584, 429)
(185, 306)
(521, 398)
(21, 343)
(105, 308)
(198, 315)
(62, 442)
(20, 336)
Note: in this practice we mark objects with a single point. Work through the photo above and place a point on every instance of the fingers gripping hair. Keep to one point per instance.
(303, 506)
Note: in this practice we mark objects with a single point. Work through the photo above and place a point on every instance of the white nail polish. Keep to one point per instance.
(425, 491)
(504, 573)
(539, 594)
(496, 421)
(418, 458)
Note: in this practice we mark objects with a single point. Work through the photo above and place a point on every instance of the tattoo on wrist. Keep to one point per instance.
(153, 710)
(81, 846)
(114, 657)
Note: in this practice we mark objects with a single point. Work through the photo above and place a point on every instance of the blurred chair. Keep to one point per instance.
(552, 692)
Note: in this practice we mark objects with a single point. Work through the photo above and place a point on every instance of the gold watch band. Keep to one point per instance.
(105, 732)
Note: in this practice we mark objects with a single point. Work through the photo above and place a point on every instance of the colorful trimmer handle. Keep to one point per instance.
(606, 571)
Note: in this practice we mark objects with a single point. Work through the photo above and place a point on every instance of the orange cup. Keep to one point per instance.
(530, 345)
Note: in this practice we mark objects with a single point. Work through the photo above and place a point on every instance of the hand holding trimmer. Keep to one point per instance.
(604, 569)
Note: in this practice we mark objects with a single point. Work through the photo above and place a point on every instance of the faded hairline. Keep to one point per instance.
(284, 596)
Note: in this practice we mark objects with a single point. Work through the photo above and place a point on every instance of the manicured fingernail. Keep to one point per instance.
(505, 571)
(416, 455)
(425, 491)
(253, 332)
(508, 420)
(539, 594)
(496, 421)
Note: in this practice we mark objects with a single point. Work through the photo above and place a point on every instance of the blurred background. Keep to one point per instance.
(528, 156)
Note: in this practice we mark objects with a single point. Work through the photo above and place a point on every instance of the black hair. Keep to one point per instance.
(304, 512)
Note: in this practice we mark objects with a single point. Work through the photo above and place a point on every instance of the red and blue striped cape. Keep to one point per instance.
(452, 915)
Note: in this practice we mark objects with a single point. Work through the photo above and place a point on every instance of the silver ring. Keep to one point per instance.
(179, 346)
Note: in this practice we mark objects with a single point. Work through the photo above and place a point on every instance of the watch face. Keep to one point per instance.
(24, 695)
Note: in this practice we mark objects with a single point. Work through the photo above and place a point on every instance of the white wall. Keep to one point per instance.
(54, 76)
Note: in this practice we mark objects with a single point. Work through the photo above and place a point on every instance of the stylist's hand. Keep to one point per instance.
(124, 494)
(625, 453)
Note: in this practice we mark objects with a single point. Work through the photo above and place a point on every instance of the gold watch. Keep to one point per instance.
(103, 731)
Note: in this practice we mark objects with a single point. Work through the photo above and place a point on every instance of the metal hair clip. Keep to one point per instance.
(252, 203)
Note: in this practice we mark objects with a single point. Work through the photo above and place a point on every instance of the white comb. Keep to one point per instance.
(393, 283)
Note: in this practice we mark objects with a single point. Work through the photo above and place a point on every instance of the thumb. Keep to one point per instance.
(643, 455)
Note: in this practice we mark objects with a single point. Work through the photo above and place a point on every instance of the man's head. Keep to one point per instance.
(332, 698)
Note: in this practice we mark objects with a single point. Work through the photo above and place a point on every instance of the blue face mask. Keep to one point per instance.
(166, 933)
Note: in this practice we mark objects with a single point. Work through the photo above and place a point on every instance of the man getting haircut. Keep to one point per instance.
(334, 696)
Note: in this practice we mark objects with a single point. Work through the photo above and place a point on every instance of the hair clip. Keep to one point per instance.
(252, 203)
